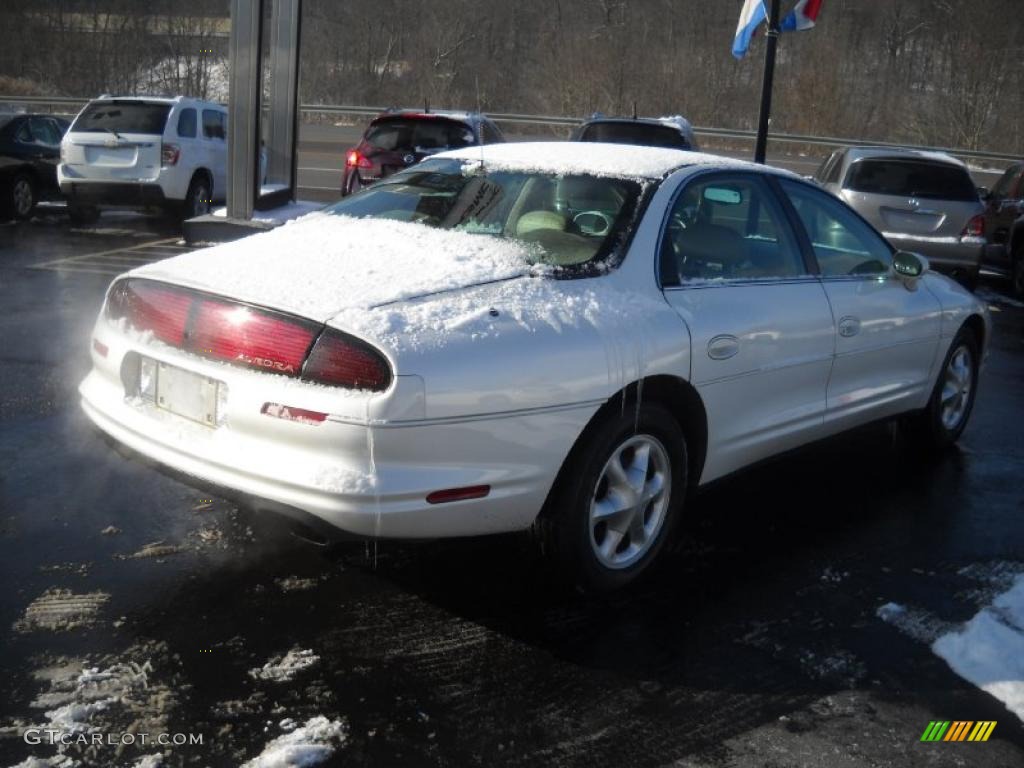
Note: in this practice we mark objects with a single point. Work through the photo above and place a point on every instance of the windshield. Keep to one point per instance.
(643, 134)
(569, 220)
(911, 178)
(123, 117)
(418, 133)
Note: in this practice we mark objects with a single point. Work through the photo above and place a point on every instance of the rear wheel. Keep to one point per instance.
(197, 200)
(1017, 273)
(947, 413)
(354, 183)
(618, 498)
(22, 197)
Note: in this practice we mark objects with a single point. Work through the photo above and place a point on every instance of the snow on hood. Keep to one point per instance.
(322, 264)
(565, 158)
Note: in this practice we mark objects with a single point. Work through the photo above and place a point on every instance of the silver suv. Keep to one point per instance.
(921, 201)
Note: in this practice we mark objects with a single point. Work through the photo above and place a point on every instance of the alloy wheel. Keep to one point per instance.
(956, 388)
(22, 197)
(630, 501)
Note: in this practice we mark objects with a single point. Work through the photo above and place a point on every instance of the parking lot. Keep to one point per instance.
(760, 642)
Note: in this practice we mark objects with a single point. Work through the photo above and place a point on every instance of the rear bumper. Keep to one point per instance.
(129, 194)
(952, 255)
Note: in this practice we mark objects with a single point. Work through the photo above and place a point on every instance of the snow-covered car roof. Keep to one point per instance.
(566, 158)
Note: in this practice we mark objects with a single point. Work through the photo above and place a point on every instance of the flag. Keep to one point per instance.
(751, 16)
(803, 16)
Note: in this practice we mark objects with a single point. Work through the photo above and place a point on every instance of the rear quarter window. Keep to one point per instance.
(640, 134)
(911, 178)
(187, 123)
(123, 117)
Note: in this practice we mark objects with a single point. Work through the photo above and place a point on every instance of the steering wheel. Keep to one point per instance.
(600, 223)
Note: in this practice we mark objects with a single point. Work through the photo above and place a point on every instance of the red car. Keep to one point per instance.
(400, 138)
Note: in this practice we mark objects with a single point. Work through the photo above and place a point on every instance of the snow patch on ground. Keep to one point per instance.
(306, 745)
(989, 650)
(915, 623)
(61, 609)
(281, 669)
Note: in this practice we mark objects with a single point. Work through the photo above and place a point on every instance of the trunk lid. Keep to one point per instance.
(117, 140)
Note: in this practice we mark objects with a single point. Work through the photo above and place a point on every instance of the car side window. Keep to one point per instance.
(213, 124)
(835, 170)
(187, 123)
(728, 227)
(843, 243)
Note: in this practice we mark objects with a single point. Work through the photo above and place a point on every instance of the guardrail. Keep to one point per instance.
(702, 131)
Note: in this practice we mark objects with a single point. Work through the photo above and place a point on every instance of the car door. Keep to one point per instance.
(887, 335)
(1004, 205)
(46, 136)
(215, 139)
(760, 326)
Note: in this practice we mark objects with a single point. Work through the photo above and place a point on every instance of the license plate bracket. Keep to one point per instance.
(189, 395)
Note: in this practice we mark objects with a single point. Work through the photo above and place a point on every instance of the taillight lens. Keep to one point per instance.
(240, 334)
(341, 360)
(248, 336)
(151, 307)
(975, 227)
(355, 160)
(169, 154)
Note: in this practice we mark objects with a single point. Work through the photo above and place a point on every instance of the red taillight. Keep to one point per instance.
(169, 154)
(975, 227)
(344, 361)
(356, 160)
(458, 494)
(101, 349)
(241, 334)
(149, 307)
(237, 333)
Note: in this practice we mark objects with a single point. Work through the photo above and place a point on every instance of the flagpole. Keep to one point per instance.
(766, 85)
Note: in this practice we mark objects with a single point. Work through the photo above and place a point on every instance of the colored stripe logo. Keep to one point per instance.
(958, 730)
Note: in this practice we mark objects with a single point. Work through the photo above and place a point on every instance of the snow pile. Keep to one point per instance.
(567, 158)
(989, 650)
(319, 264)
(306, 745)
(150, 761)
(912, 622)
(281, 669)
(60, 761)
(61, 609)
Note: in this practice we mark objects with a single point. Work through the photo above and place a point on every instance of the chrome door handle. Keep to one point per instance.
(723, 347)
(849, 326)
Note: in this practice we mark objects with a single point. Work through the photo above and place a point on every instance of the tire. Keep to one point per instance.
(942, 422)
(21, 197)
(354, 183)
(1017, 273)
(82, 215)
(197, 200)
(602, 538)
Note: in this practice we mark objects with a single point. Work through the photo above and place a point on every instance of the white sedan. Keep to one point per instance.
(567, 336)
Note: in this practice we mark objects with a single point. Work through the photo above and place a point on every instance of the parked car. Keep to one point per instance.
(399, 138)
(145, 152)
(29, 151)
(670, 132)
(921, 201)
(564, 336)
(1004, 226)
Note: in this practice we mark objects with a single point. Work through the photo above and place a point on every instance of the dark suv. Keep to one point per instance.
(1004, 226)
(400, 138)
(671, 132)
(29, 153)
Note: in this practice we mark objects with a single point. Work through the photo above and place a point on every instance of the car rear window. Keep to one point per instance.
(123, 117)
(642, 134)
(409, 134)
(911, 178)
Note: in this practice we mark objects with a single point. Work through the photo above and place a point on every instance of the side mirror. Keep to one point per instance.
(909, 268)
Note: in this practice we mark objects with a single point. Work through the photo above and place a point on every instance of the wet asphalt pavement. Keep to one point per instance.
(757, 644)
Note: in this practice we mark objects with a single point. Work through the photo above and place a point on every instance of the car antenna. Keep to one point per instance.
(634, 110)
(426, 105)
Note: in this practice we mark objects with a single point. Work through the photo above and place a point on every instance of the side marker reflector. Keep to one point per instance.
(458, 494)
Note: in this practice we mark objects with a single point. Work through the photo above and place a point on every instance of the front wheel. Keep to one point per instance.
(618, 498)
(22, 197)
(945, 418)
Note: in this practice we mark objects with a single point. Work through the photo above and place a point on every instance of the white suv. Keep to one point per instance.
(143, 152)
